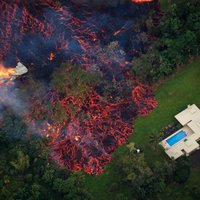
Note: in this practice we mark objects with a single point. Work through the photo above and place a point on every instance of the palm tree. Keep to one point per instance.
(155, 138)
(131, 146)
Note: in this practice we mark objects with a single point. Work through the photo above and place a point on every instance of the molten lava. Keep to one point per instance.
(93, 127)
(6, 72)
(141, 1)
(51, 56)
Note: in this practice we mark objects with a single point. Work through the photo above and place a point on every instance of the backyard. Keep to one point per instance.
(173, 96)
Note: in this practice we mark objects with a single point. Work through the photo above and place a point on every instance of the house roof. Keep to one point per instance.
(190, 119)
(191, 113)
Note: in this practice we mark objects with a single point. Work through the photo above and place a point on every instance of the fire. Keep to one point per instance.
(141, 1)
(51, 56)
(6, 72)
(77, 138)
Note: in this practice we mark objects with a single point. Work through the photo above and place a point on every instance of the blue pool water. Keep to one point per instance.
(176, 138)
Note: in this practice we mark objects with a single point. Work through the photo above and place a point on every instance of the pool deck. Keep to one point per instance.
(190, 119)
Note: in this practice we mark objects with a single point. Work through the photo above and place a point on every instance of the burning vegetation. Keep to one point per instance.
(83, 119)
(6, 73)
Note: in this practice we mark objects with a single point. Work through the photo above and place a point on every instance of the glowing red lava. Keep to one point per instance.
(51, 56)
(141, 1)
(94, 128)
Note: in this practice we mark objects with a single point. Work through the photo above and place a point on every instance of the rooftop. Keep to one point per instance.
(191, 113)
(190, 119)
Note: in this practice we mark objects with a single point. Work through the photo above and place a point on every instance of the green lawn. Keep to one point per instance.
(173, 96)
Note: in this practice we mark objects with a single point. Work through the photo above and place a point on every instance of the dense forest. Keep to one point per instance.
(175, 40)
(27, 172)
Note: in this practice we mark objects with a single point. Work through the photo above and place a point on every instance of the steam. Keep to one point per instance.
(10, 98)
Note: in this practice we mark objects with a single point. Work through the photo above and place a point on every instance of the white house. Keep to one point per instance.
(185, 140)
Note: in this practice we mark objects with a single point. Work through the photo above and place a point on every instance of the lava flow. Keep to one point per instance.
(88, 136)
(44, 34)
(141, 1)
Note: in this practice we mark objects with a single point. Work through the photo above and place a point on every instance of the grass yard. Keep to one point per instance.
(173, 96)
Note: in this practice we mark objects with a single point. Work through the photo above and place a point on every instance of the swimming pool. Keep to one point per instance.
(176, 138)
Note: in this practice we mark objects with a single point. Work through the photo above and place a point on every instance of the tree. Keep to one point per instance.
(131, 147)
(49, 175)
(58, 113)
(190, 42)
(121, 196)
(72, 80)
(21, 163)
(35, 192)
(195, 192)
(146, 67)
(133, 171)
(11, 129)
(72, 187)
(182, 171)
(178, 35)
(144, 181)
(155, 138)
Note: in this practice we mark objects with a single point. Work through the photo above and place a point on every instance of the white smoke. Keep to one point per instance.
(11, 98)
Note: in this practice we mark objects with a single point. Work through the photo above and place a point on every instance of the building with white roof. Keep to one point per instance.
(185, 140)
